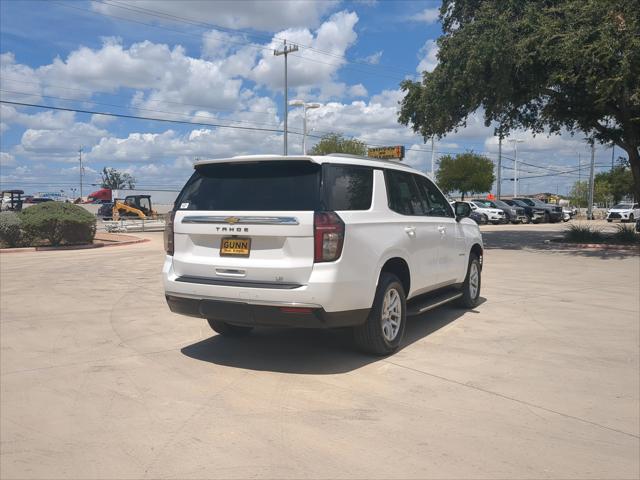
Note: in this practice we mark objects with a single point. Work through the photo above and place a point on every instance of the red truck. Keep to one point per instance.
(101, 196)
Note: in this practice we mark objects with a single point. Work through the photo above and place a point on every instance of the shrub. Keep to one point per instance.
(625, 234)
(59, 222)
(580, 233)
(10, 229)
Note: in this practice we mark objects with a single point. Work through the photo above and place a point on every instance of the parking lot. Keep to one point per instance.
(100, 380)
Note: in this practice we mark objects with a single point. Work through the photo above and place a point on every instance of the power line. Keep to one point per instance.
(189, 21)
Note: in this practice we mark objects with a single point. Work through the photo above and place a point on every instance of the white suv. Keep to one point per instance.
(317, 241)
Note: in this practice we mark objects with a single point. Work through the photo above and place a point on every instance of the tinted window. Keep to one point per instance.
(437, 204)
(347, 187)
(279, 185)
(403, 193)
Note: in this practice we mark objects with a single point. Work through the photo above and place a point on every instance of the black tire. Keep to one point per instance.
(631, 219)
(547, 219)
(485, 219)
(369, 337)
(224, 328)
(469, 299)
(609, 220)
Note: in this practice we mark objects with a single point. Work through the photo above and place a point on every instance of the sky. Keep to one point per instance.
(207, 68)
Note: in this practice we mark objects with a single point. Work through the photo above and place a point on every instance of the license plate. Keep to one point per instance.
(235, 247)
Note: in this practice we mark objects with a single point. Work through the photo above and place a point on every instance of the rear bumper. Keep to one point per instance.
(247, 314)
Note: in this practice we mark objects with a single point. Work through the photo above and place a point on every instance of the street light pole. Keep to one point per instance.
(80, 158)
(591, 182)
(305, 107)
(515, 166)
(285, 51)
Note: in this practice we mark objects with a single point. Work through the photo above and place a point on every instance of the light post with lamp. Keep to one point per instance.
(515, 141)
(305, 106)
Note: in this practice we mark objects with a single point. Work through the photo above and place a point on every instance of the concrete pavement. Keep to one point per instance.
(100, 380)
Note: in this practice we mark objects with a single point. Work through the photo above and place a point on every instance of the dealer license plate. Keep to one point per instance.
(235, 247)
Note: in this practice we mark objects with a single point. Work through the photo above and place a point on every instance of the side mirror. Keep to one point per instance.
(462, 209)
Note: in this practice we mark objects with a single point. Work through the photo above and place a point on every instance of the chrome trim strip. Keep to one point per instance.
(240, 220)
(441, 302)
(244, 300)
(237, 282)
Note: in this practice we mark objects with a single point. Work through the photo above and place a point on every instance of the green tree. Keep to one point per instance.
(336, 143)
(465, 173)
(113, 179)
(539, 65)
(579, 193)
(619, 181)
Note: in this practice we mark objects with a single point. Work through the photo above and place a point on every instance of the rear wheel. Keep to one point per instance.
(472, 283)
(382, 333)
(224, 328)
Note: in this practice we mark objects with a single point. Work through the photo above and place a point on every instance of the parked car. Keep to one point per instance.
(534, 215)
(495, 215)
(479, 218)
(552, 213)
(625, 212)
(106, 211)
(513, 214)
(318, 241)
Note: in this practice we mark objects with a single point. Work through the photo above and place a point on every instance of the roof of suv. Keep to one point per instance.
(319, 159)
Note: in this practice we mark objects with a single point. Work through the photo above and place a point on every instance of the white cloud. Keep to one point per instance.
(428, 15)
(374, 58)
(309, 68)
(58, 145)
(6, 159)
(51, 120)
(253, 14)
(429, 53)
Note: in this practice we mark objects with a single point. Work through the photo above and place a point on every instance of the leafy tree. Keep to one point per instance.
(336, 143)
(113, 179)
(619, 182)
(543, 66)
(579, 193)
(465, 173)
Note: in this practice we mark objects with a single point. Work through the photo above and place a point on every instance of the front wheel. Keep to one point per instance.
(472, 283)
(224, 328)
(631, 219)
(382, 333)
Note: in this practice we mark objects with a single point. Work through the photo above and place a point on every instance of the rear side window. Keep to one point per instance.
(347, 187)
(278, 185)
(403, 193)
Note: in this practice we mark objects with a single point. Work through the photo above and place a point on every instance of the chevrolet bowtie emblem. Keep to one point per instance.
(232, 220)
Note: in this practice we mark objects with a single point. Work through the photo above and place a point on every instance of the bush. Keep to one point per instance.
(59, 222)
(580, 233)
(10, 229)
(625, 234)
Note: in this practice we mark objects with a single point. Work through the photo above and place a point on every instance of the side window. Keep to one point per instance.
(437, 204)
(347, 187)
(403, 193)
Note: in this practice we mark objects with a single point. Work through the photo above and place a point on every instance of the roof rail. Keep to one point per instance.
(361, 157)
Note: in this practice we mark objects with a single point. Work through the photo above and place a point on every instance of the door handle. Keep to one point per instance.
(411, 231)
(442, 229)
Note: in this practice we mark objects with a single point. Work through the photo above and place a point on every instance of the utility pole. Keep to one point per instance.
(499, 184)
(591, 186)
(613, 152)
(285, 51)
(81, 169)
(433, 159)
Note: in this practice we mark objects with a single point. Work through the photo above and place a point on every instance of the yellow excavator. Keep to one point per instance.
(138, 206)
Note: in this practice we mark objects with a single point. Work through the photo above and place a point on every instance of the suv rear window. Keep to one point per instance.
(284, 186)
(277, 185)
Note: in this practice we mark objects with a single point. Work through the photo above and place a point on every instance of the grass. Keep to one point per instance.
(625, 234)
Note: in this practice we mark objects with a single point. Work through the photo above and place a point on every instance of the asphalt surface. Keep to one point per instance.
(99, 380)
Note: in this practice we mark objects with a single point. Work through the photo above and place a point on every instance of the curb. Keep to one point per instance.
(596, 246)
(73, 247)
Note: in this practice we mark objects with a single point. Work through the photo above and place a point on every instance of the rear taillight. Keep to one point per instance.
(168, 234)
(328, 234)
